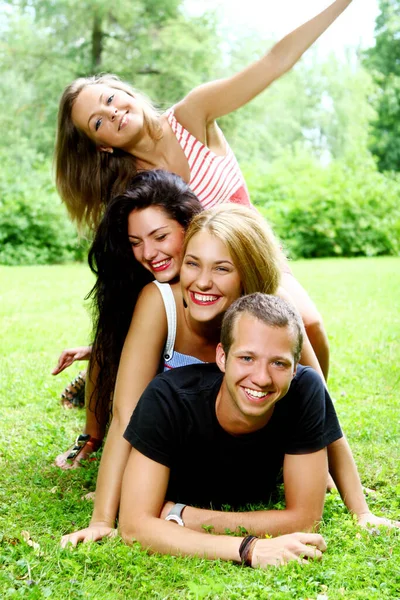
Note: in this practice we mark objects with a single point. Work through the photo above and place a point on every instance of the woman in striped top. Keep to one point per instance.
(107, 131)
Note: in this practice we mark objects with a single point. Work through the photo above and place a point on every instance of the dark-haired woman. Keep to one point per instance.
(140, 238)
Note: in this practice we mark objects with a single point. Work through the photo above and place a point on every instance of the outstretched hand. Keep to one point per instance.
(94, 533)
(370, 521)
(294, 546)
(69, 356)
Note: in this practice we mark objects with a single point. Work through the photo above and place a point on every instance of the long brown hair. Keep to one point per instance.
(86, 178)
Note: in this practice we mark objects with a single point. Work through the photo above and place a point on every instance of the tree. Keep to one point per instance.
(150, 43)
(384, 62)
(44, 45)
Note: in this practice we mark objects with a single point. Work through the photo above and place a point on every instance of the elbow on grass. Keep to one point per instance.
(126, 531)
(308, 522)
(132, 531)
(312, 522)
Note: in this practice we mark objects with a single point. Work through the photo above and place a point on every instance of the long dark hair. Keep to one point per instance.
(120, 278)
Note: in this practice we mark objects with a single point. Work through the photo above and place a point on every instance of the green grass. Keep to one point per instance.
(42, 311)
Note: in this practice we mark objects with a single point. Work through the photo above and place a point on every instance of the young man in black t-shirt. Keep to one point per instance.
(204, 437)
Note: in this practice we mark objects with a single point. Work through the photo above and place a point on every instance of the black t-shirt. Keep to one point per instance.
(175, 424)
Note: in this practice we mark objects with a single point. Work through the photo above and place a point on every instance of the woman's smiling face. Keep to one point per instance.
(209, 279)
(110, 117)
(157, 242)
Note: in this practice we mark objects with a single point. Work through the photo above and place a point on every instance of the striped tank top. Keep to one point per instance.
(214, 179)
(172, 359)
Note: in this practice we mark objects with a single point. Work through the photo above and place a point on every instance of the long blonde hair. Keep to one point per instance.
(251, 243)
(86, 178)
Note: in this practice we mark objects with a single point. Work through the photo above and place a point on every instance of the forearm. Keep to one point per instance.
(108, 488)
(260, 523)
(304, 477)
(158, 535)
(87, 352)
(319, 341)
(288, 51)
(292, 292)
(308, 357)
(345, 475)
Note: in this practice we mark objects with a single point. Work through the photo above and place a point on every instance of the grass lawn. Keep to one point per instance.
(42, 311)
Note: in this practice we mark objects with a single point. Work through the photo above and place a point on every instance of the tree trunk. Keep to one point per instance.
(97, 43)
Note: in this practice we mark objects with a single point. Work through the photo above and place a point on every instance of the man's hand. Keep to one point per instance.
(69, 356)
(369, 521)
(94, 533)
(294, 546)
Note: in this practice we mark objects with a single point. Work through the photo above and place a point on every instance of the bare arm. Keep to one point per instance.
(308, 356)
(138, 366)
(312, 319)
(305, 483)
(217, 98)
(69, 356)
(143, 491)
(345, 475)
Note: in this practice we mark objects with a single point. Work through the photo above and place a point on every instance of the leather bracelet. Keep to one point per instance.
(246, 549)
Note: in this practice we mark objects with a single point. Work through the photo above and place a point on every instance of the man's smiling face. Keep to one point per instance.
(258, 371)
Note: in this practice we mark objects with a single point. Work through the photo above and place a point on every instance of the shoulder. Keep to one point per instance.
(151, 291)
(307, 387)
(151, 298)
(306, 375)
(178, 393)
(188, 380)
(190, 114)
(150, 312)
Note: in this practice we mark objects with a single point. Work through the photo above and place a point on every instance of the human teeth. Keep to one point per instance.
(123, 121)
(202, 298)
(254, 393)
(161, 263)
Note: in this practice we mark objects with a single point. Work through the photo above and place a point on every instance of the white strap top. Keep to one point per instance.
(172, 359)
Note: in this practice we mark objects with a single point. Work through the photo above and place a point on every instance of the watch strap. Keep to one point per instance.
(175, 514)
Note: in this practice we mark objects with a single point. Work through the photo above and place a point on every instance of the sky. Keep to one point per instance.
(355, 27)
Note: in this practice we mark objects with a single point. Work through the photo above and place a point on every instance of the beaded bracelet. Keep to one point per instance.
(246, 549)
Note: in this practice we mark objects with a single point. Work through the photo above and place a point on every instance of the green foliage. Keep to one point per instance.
(184, 55)
(324, 107)
(345, 110)
(149, 43)
(33, 225)
(41, 312)
(329, 211)
(384, 62)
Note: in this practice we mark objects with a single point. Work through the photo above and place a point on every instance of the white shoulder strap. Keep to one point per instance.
(170, 309)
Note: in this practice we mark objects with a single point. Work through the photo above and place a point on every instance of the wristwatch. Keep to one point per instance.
(175, 514)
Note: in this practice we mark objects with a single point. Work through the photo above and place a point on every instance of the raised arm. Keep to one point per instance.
(143, 492)
(139, 363)
(218, 98)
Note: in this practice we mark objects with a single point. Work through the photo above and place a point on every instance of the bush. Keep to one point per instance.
(334, 210)
(34, 227)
